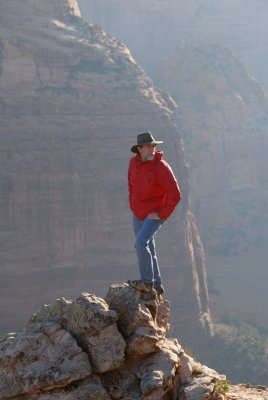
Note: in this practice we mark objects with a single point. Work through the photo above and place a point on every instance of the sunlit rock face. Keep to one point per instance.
(50, 8)
(72, 102)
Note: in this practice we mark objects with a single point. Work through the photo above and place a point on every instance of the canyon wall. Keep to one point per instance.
(219, 105)
(204, 53)
(72, 101)
(223, 115)
(153, 28)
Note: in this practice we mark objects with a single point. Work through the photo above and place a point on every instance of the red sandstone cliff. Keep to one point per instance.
(223, 115)
(72, 102)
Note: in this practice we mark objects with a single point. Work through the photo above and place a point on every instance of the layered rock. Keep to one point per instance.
(44, 356)
(49, 360)
(93, 325)
(73, 100)
(223, 114)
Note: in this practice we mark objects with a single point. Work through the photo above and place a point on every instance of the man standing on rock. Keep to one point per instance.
(153, 195)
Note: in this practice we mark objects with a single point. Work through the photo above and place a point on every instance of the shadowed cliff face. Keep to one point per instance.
(73, 100)
(223, 115)
(152, 29)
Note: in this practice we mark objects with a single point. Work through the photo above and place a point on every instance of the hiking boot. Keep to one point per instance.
(141, 286)
(159, 290)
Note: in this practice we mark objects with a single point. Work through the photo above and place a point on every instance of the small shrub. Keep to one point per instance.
(197, 369)
(221, 387)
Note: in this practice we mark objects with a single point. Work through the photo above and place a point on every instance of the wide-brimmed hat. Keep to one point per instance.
(144, 138)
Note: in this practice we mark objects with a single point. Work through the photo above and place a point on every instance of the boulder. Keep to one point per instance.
(90, 389)
(147, 377)
(186, 369)
(43, 358)
(155, 382)
(139, 321)
(199, 380)
(90, 321)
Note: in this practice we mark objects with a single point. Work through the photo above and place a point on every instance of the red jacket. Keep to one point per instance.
(152, 187)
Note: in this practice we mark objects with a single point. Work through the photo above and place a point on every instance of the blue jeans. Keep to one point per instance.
(145, 249)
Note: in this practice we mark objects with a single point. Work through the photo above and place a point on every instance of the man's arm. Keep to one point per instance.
(173, 195)
(129, 188)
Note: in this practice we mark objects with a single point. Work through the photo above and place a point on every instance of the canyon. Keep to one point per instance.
(73, 98)
(72, 101)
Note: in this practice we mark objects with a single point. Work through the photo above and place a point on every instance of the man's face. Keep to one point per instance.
(147, 152)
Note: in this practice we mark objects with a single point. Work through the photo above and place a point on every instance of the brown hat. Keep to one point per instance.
(144, 138)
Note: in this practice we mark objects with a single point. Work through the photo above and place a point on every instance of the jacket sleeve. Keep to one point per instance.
(173, 195)
(129, 187)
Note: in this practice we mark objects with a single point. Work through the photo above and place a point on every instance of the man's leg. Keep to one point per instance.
(144, 237)
(156, 270)
(139, 284)
(137, 225)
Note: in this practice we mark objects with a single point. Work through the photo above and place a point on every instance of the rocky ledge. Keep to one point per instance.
(96, 349)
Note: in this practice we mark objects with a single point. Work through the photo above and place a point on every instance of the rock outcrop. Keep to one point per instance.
(63, 354)
(72, 101)
(59, 353)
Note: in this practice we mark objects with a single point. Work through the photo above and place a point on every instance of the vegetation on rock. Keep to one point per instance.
(241, 349)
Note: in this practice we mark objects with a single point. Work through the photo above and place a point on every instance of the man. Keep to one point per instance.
(153, 195)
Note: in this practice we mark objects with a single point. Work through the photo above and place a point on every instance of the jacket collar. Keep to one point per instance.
(158, 156)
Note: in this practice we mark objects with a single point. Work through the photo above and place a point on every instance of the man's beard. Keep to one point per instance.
(150, 157)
